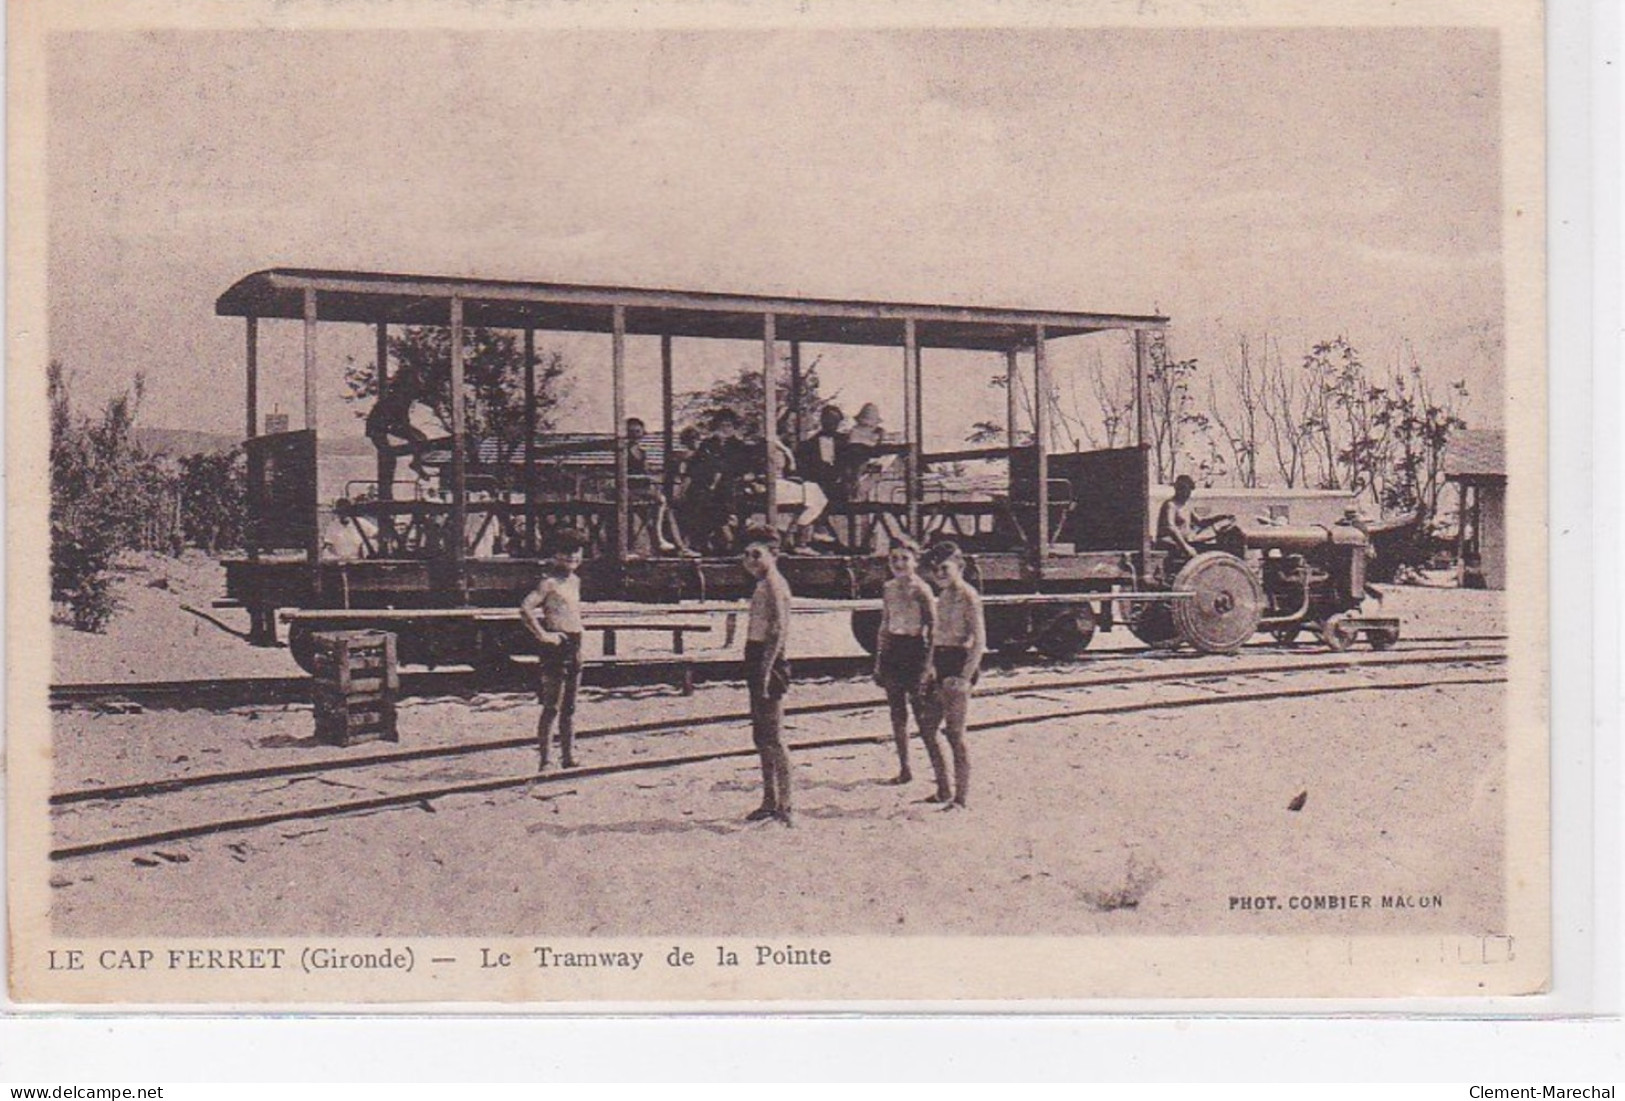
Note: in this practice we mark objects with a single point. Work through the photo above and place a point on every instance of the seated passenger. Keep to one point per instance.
(643, 488)
(729, 460)
(822, 458)
(867, 430)
(793, 491)
(718, 471)
(637, 455)
(863, 443)
(685, 474)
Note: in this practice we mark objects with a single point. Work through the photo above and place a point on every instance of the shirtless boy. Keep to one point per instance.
(902, 655)
(959, 640)
(1179, 529)
(767, 671)
(552, 613)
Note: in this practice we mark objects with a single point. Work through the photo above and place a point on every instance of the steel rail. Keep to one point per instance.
(222, 693)
(142, 789)
(423, 796)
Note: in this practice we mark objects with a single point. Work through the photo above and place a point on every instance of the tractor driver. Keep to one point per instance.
(1179, 529)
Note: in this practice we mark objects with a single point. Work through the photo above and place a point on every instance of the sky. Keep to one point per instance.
(1302, 184)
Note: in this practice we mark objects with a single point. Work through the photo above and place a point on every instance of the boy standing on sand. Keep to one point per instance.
(959, 641)
(552, 613)
(902, 654)
(767, 671)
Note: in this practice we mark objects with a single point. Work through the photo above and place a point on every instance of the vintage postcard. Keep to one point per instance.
(694, 504)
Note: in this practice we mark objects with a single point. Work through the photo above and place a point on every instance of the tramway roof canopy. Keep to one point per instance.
(373, 297)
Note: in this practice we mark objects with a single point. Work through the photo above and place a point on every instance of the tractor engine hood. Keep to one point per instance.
(1302, 537)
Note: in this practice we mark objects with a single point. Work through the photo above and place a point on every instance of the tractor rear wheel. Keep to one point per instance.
(1225, 603)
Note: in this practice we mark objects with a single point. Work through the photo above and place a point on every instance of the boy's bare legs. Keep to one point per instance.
(558, 706)
(770, 777)
(567, 715)
(773, 714)
(930, 718)
(898, 699)
(956, 702)
(567, 740)
(544, 732)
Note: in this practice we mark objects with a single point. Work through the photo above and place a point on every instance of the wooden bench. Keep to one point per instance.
(680, 631)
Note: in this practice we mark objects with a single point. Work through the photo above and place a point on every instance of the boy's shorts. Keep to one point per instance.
(950, 661)
(559, 673)
(902, 665)
(778, 680)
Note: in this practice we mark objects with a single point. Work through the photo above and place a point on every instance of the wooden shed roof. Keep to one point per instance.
(1476, 453)
(373, 297)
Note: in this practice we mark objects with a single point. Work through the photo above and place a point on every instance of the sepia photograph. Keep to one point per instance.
(677, 505)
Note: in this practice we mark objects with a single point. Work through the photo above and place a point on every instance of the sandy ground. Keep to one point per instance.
(1137, 824)
(1072, 822)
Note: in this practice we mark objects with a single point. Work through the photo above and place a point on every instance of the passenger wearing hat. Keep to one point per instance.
(862, 473)
(959, 640)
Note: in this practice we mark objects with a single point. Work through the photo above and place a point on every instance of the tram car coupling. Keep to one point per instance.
(1061, 543)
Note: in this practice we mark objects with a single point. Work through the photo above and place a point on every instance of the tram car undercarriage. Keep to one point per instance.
(1063, 549)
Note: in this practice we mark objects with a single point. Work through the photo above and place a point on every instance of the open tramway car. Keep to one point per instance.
(1065, 548)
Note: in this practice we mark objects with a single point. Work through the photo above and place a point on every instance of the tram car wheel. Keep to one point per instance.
(866, 630)
(1152, 622)
(1068, 634)
(302, 647)
(1009, 630)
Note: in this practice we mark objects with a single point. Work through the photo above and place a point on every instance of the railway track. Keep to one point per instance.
(167, 810)
(225, 693)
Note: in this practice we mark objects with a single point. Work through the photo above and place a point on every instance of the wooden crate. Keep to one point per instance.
(356, 683)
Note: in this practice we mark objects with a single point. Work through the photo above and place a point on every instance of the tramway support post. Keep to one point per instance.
(919, 402)
(310, 359)
(459, 455)
(386, 463)
(1140, 419)
(1140, 353)
(1041, 437)
(623, 505)
(313, 548)
(530, 442)
(770, 418)
(911, 424)
(797, 429)
(251, 354)
(252, 359)
(668, 468)
(1011, 378)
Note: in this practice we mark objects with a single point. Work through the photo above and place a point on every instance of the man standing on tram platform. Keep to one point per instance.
(391, 416)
